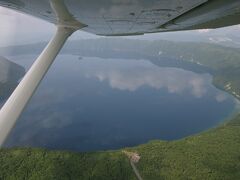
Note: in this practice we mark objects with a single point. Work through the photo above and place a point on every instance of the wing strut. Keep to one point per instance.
(16, 103)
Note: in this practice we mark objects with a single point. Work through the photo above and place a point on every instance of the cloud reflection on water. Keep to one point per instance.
(132, 75)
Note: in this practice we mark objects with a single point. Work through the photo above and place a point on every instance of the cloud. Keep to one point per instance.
(237, 105)
(19, 28)
(131, 75)
(204, 30)
(198, 86)
(56, 120)
(220, 97)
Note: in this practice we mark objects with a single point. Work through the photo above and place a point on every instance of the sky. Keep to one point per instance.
(17, 28)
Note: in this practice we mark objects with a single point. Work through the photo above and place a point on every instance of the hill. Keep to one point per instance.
(10, 73)
(214, 154)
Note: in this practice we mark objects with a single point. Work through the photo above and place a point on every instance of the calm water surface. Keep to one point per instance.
(96, 104)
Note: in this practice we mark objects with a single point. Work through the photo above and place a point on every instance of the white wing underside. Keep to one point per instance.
(132, 17)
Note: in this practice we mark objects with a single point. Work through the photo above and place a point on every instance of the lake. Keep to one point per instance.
(89, 104)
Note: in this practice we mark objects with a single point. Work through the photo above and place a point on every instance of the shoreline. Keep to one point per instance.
(224, 120)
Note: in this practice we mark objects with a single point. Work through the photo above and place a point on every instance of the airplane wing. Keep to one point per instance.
(133, 17)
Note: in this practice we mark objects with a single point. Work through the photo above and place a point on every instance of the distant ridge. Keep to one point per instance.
(10, 73)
